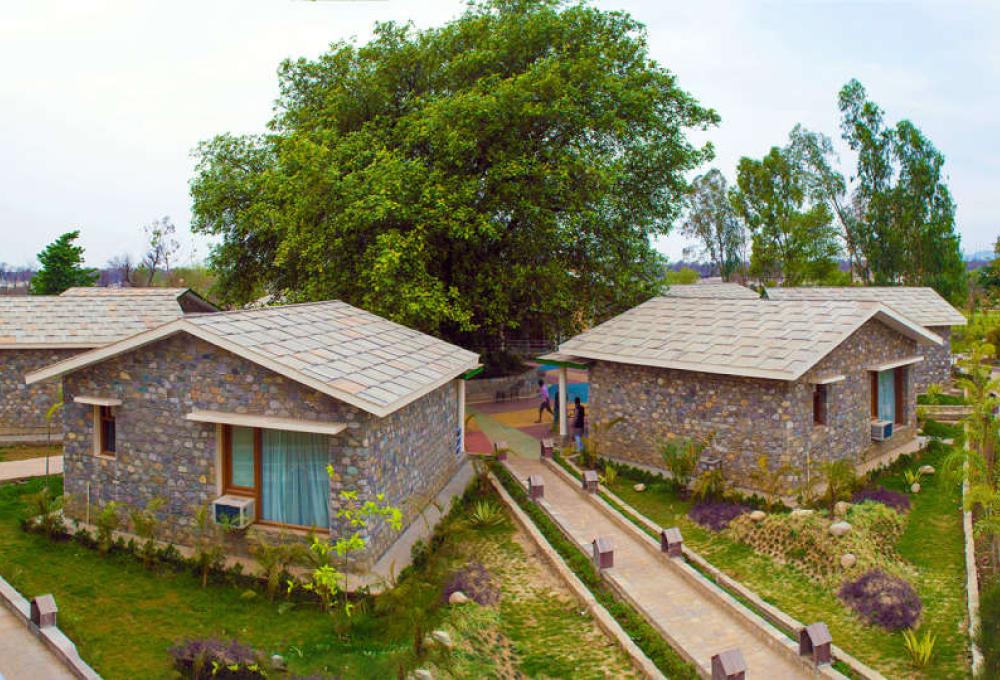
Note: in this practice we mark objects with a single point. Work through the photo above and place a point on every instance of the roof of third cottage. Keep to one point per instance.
(755, 338)
(923, 305)
(86, 321)
(712, 290)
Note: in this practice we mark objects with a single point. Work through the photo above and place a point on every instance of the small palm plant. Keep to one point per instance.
(146, 525)
(485, 514)
(920, 649)
(46, 509)
(109, 519)
(591, 443)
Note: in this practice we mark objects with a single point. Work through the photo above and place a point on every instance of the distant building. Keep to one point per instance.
(38, 330)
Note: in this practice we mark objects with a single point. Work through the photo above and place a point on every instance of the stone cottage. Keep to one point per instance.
(38, 330)
(248, 409)
(801, 382)
(922, 305)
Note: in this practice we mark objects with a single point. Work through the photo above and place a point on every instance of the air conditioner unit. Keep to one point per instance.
(881, 430)
(237, 512)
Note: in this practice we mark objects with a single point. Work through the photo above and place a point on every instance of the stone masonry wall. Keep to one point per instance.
(160, 453)
(936, 366)
(413, 455)
(23, 407)
(847, 433)
(748, 416)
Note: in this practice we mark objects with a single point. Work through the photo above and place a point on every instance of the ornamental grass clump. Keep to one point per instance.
(476, 582)
(899, 502)
(716, 515)
(883, 600)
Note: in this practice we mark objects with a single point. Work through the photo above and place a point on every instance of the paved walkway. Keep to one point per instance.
(699, 624)
(32, 467)
(23, 656)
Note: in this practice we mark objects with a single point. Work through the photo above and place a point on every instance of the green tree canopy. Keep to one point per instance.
(714, 223)
(794, 238)
(62, 267)
(513, 164)
(906, 216)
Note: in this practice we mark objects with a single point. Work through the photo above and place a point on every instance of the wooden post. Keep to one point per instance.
(43, 611)
(589, 481)
(546, 447)
(536, 487)
(671, 542)
(500, 449)
(604, 553)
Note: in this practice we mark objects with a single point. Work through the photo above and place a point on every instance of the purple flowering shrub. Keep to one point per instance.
(899, 502)
(476, 582)
(218, 660)
(716, 515)
(882, 600)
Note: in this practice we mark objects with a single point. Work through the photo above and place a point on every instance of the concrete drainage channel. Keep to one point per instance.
(774, 627)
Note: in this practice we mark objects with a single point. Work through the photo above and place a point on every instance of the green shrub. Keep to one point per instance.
(485, 513)
(108, 521)
(681, 457)
(46, 510)
(920, 649)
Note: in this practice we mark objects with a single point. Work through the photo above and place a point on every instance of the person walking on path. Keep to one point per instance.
(579, 423)
(546, 405)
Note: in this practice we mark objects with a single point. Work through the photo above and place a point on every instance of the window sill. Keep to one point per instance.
(276, 529)
(105, 456)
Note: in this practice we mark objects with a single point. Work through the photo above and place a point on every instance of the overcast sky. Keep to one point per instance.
(101, 102)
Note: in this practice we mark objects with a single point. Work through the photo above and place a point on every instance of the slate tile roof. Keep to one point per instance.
(343, 351)
(712, 290)
(756, 338)
(81, 321)
(923, 305)
(107, 291)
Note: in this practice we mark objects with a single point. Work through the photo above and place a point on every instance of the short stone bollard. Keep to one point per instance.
(547, 447)
(604, 553)
(500, 449)
(729, 665)
(43, 611)
(816, 642)
(671, 542)
(589, 481)
(536, 487)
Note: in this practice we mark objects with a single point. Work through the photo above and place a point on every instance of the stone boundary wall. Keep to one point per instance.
(604, 620)
(52, 637)
(768, 612)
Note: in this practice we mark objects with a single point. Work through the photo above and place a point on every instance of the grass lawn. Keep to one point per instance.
(26, 451)
(124, 618)
(932, 542)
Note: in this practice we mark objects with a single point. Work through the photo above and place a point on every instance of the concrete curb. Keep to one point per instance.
(53, 638)
(971, 572)
(596, 609)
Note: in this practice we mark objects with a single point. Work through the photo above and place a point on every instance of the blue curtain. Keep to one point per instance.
(887, 396)
(296, 489)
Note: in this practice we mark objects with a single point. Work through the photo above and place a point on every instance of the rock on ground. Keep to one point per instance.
(839, 529)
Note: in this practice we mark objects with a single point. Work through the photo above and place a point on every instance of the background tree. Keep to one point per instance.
(162, 246)
(62, 267)
(713, 221)
(988, 277)
(793, 236)
(510, 167)
(121, 269)
(906, 221)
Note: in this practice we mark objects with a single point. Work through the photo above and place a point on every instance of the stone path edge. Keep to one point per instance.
(582, 593)
(768, 612)
(53, 638)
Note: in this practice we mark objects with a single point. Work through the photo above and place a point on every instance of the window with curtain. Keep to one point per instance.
(887, 395)
(293, 485)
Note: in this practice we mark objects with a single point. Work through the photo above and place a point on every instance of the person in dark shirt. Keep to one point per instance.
(579, 423)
